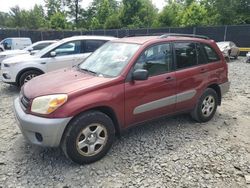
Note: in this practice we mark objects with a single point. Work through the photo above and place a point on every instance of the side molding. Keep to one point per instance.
(163, 102)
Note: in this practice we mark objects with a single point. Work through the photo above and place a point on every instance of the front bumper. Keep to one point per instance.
(224, 88)
(34, 128)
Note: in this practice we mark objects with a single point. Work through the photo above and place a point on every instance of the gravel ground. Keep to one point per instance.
(168, 152)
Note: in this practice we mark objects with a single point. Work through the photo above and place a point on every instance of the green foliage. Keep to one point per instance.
(113, 14)
(58, 21)
(194, 15)
(113, 22)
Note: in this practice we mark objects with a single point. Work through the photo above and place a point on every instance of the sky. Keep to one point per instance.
(28, 4)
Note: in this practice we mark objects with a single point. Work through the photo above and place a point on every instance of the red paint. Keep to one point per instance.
(86, 92)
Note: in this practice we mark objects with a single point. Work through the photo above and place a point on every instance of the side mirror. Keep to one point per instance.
(30, 49)
(140, 74)
(53, 54)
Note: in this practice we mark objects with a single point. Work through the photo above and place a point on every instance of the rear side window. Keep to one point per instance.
(211, 54)
(186, 55)
(92, 45)
(41, 46)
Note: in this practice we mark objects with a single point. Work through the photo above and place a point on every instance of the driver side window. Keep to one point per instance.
(69, 48)
(156, 60)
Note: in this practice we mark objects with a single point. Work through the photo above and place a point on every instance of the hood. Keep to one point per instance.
(63, 81)
(13, 52)
(20, 58)
(222, 45)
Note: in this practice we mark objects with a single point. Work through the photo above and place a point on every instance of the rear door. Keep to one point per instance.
(154, 97)
(191, 73)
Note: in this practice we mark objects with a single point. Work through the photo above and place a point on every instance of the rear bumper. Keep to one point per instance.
(33, 127)
(224, 88)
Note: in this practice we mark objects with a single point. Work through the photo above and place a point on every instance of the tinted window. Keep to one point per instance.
(7, 44)
(201, 56)
(211, 54)
(186, 55)
(68, 48)
(41, 46)
(156, 60)
(92, 45)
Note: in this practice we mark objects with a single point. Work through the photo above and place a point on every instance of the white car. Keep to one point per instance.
(67, 52)
(32, 49)
(14, 43)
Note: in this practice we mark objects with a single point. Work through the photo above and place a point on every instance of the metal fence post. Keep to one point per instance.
(194, 30)
(41, 35)
(225, 33)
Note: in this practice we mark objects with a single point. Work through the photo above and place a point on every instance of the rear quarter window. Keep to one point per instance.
(212, 56)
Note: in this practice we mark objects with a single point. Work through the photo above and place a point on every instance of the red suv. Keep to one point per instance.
(125, 82)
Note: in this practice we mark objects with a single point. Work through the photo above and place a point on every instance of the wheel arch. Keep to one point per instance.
(217, 90)
(104, 109)
(25, 70)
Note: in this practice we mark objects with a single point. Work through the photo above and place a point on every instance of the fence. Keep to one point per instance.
(240, 34)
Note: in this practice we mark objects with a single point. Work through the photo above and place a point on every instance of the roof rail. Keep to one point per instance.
(183, 35)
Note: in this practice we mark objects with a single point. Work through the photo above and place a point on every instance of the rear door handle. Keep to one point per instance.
(202, 70)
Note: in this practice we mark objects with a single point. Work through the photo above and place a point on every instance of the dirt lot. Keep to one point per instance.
(169, 152)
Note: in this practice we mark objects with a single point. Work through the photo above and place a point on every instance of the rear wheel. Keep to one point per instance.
(206, 106)
(89, 137)
(27, 76)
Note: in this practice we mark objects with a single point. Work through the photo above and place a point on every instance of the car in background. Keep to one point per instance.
(122, 84)
(32, 49)
(67, 52)
(248, 57)
(229, 49)
(15, 43)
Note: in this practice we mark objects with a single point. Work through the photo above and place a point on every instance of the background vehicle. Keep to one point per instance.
(123, 83)
(15, 43)
(68, 52)
(229, 49)
(248, 57)
(32, 49)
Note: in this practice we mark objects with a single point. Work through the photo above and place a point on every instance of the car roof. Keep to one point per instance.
(148, 39)
(90, 37)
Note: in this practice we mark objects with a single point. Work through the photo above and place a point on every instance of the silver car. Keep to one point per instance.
(229, 49)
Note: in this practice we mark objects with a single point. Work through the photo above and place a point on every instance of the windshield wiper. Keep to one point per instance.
(89, 71)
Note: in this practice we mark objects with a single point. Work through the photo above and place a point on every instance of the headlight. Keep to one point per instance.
(48, 104)
(9, 64)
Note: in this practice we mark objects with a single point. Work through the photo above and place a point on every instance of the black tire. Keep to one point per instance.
(197, 114)
(75, 131)
(28, 75)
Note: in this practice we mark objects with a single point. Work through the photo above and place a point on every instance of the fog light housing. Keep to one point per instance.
(39, 137)
(6, 76)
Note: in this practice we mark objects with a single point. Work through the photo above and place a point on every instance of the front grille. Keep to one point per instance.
(25, 101)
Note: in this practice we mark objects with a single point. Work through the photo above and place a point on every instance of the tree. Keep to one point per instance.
(95, 24)
(53, 7)
(36, 18)
(74, 9)
(194, 15)
(170, 15)
(58, 21)
(113, 22)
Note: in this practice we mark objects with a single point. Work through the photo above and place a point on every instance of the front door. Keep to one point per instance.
(155, 96)
(66, 55)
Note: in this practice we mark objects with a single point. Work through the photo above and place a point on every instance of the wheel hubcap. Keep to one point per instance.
(208, 106)
(91, 139)
(29, 77)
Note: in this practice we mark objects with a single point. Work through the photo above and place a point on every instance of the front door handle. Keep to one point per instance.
(170, 78)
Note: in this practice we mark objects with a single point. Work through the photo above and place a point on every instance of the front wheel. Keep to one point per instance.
(89, 137)
(206, 106)
(27, 76)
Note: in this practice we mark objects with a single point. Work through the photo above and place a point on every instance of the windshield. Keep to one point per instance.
(110, 59)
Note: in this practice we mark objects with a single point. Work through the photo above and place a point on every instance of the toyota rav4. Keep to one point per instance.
(125, 82)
